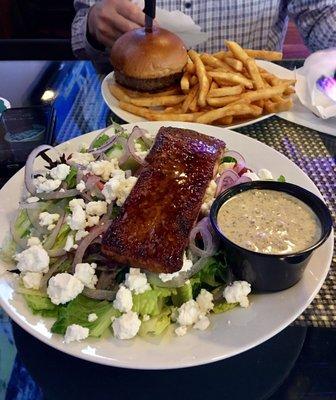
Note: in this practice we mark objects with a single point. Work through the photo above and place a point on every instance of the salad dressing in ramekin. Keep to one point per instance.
(269, 221)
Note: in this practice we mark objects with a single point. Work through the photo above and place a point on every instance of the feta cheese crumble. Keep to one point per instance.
(32, 280)
(126, 326)
(81, 186)
(188, 313)
(237, 293)
(123, 301)
(136, 281)
(33, 240)
(186, 266)
(92, 317)
(61, 171)
(80, 235)
(70, 243)
(209, 197)
(86, 273)
(104, 168)
(92, 221)
(33, 259)
(202, 324)
(205, 301)
(118, 187)
(181, 330)
(32, 199)
(77, 220)
(265, 175)
(64, 287)
(96, 208)
(76, 333)
(48, 220)
(81, 158)
(43, 184)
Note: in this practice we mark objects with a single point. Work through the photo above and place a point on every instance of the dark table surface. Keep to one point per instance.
(298, 363)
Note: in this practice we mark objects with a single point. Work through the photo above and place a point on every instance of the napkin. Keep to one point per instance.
(179, 23)
(317, 64)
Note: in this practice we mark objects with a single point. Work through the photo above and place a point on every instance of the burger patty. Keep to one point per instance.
(147, 85)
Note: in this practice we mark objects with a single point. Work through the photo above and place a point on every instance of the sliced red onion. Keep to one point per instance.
(210, 244)
(136, 134)
(52, 270)
(86, 196)
(100, 294)
(50, 241)
(227, 179)
(243, 179)
(58, 194)
(29, 168)
(85, 243)
(29, 206)
(104, 147)
(240, 160)
(91, 182)
(79, 176)
(180, 279)
(125, 155)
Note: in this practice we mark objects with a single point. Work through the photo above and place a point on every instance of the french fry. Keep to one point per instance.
(119, 94)
(185, 84)
(202, 77)
(190, 117)
(289, 90)
(211, 60)
(190, 66)
(140, 111)
(234, 77)
(237, 51)
(254, 73)
(235, 64)
(193, 107)
(173, 109)
(193, 80)
(135, 94)
(158, 101)
(223, 101)
(189, 98)
(263, 94)
(229, 110)
(224, 120)
(225, 91)
(213, 86)
(257, 54)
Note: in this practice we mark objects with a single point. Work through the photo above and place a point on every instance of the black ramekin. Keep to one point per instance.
(271, 272)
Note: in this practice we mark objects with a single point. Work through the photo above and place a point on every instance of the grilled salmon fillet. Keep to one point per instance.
(153, 227)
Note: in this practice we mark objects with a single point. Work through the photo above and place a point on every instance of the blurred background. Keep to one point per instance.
(39, 29)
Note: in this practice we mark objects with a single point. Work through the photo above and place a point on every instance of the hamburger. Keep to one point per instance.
(148, 61)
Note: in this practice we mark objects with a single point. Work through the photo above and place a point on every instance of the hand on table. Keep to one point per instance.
(109, 19)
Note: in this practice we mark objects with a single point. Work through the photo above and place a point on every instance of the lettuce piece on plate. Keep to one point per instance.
(156, 325)
(151, 302)
(77, 312)
(22, 225)
(223, 306)
(214, 273)
(183, 294)
(71, 178)
(39, 302)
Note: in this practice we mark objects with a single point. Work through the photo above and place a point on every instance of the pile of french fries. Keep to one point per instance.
(224, 88)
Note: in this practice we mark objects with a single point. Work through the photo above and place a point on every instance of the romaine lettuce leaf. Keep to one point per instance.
(214, 273)
(71, 178)
(77, 312)
(22, 224)
(183, 294)
(41, 305)
(150, 302)
(223, 307)
(156, 325)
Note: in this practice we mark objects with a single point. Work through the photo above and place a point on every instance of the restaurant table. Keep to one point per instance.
(298, 363)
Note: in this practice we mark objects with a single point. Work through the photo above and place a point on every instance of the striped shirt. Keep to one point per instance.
(258, 24)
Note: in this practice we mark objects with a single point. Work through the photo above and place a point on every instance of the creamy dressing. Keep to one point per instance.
(269, 221)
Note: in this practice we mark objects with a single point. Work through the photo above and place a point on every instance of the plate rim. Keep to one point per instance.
(178, 364)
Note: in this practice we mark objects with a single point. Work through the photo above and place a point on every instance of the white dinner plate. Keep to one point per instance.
(230, 333)
(126, 116)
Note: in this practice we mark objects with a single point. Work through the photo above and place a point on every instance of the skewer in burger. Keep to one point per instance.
(148, 61)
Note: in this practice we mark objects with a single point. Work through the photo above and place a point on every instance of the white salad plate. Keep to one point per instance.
(126, 116)
(230, 333)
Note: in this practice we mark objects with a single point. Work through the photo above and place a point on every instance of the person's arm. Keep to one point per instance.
(84, 46)
(316, 21)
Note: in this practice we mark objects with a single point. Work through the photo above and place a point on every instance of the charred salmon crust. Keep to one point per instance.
(153, 227)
